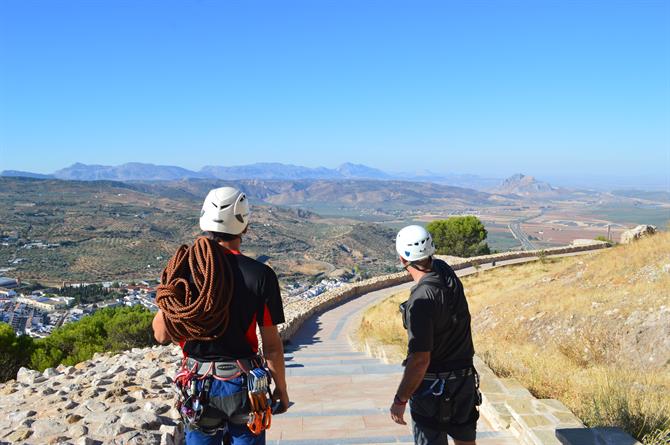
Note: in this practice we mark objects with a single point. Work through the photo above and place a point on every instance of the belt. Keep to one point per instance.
(449, 375)
(221, 369)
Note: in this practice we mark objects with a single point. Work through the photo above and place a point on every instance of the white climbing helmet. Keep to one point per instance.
(414, 243)
(225, 210)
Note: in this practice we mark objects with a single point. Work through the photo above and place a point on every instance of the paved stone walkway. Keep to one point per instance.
(342, 396)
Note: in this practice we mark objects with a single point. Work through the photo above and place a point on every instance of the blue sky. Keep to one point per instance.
(557, 89)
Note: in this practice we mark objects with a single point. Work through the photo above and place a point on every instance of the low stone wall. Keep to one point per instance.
(462, 263)
(297, 312)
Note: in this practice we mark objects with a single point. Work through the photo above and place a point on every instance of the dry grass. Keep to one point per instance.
(382, 324)
(591, 331)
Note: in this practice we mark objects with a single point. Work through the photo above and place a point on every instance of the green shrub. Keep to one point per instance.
(107, 330)
(462, 236)
(15, 352)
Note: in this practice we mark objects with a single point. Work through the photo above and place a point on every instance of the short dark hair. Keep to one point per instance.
(220, 236)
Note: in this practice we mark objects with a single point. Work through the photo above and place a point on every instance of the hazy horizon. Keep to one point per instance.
(560, 91)
(595, 182)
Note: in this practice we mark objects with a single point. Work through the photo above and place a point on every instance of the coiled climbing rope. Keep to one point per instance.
(195, 292)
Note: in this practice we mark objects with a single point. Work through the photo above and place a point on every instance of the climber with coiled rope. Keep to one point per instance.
(211, 299)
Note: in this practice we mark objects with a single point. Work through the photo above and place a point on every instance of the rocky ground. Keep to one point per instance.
(121, 399)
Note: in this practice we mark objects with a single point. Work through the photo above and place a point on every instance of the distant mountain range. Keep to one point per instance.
(135, 171)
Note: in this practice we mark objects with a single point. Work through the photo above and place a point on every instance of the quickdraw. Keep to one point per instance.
(258, 385)
(190, 399)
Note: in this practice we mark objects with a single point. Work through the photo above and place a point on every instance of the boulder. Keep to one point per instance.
(19, 416)
(638, 232)
(141, 420)
(137, 438)
(48, 428)
(50, 372)
(19, 435)
(28, 376)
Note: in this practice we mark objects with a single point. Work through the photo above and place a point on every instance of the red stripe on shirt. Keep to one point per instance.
(250, 335)
(267, 319)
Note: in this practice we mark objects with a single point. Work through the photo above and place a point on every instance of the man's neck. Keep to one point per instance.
(232, 244)
(416, 273)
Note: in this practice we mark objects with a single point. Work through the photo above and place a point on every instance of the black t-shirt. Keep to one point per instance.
(256, 301)
(437, 319)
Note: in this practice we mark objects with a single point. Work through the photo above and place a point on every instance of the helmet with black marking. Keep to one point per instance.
(225, 210)
(414, 243)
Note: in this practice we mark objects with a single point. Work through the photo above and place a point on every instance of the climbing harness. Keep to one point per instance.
(203, 412)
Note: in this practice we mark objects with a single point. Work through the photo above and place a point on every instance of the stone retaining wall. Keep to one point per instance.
(297, 312)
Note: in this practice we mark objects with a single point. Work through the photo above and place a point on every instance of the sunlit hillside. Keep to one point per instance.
(592, 331)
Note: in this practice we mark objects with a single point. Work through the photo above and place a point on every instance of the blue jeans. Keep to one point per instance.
(240, 434)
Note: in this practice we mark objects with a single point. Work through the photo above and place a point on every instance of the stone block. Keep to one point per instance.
(553, 405)
(492, 386)
(546, 437)
(513, 387)
(567, 420)
(534, 421)
(494, 398)
(520, 406)
(500, 412)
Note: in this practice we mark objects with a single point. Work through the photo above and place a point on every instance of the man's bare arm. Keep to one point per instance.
(273, 350)
(160, 330)
(415, 369)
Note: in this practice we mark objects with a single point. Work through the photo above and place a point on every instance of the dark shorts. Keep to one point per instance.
(426, 436)
(447, 407)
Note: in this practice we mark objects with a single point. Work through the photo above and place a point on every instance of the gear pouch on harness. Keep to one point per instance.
(451, 399)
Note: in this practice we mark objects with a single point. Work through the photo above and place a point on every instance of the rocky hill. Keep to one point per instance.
(592, 331)
(526, 186)
(76, 231)
(120, 399)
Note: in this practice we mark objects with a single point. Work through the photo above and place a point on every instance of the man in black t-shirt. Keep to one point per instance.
(255, 301)
(439, 380)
